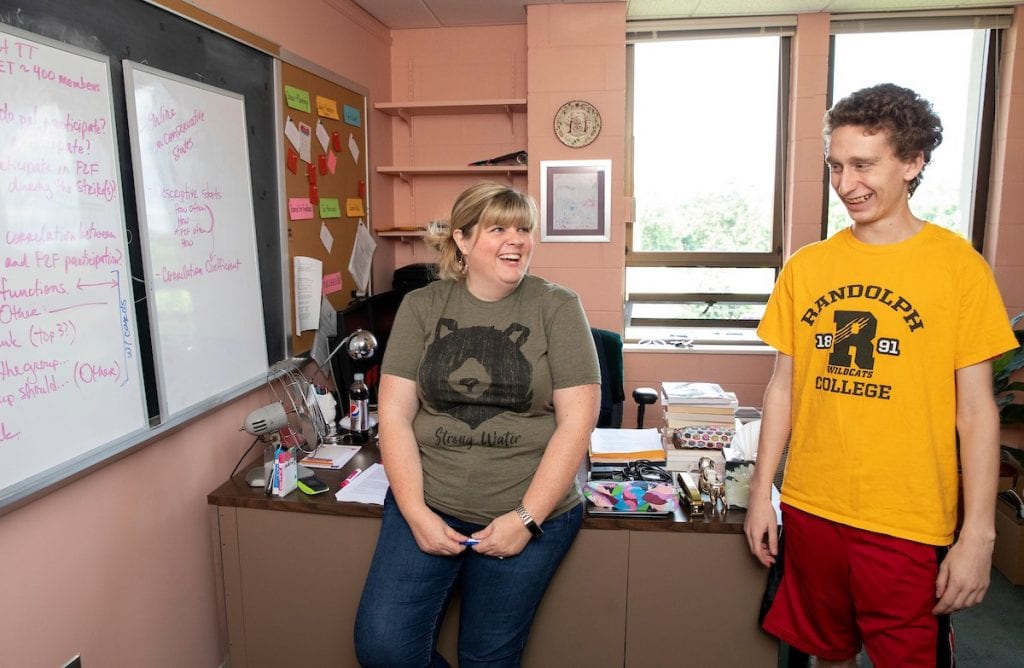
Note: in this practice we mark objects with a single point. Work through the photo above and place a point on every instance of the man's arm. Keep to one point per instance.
(964, 574)
(760, 524)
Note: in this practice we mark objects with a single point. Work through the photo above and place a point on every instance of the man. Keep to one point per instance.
(885, 335)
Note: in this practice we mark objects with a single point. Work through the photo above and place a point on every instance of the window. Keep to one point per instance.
(953, 69)
(707, 121)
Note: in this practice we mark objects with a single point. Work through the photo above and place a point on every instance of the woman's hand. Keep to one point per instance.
(434, 536)
(505, 536)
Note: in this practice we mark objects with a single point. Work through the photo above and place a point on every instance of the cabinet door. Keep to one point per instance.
(293, 587)
(694, 600)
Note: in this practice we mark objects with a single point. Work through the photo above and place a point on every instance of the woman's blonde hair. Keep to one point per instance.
(485, 205)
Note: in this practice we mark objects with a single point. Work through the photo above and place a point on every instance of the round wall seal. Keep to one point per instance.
(577, 124)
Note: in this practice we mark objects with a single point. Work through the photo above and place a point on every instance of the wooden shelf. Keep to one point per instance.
(397, 233)
(447, 170)
(455, 107)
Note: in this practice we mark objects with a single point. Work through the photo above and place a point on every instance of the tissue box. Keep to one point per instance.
(737, 483)
(1008, 555)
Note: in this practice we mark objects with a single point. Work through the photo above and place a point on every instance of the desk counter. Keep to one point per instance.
(631, 592)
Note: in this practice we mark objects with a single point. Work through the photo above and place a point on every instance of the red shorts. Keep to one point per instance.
(843, 588)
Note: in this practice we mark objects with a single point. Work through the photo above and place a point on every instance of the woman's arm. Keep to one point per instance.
(576, 410)
(400, 455)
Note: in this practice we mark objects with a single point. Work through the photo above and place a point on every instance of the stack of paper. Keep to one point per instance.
(370, 486)
(699, 420)
(686, 404)
(330, 456)
(621, 446)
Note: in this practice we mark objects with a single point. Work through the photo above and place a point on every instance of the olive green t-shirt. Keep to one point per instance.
(485, 373)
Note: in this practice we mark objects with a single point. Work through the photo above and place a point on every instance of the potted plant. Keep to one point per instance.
(1002, 370)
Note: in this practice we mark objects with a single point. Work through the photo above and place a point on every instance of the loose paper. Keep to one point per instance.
(353, 148)
(362, 256)
(328, 328)
(321, 134)
(370, 486)
(308, 274)
(326, 238)
(305, 146)
(292, 133)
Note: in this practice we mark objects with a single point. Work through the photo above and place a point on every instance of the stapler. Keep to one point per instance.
(690, 494)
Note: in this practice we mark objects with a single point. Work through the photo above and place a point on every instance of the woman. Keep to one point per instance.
(489, 392)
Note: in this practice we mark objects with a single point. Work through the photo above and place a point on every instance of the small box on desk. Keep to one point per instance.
(1008, 555)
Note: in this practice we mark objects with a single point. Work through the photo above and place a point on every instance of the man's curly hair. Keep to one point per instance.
(908, 118)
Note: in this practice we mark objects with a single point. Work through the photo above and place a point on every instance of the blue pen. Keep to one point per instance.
(469, 542)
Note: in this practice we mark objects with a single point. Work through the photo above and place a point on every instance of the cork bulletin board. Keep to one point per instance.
(325, 189)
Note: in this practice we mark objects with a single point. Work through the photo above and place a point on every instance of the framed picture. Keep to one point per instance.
(575, 200)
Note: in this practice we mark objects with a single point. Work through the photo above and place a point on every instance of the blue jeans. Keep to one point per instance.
(408, 590)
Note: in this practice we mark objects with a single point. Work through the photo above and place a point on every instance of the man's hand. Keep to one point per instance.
(761, 528)
(964, 575)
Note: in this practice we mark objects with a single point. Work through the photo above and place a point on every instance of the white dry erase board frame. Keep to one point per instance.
(71, 385)
(198, 236)
(176, 37)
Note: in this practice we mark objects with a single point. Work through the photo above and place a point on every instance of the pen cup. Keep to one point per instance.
(268, 462)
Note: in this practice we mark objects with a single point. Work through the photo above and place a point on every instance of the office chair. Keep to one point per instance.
(613, 396)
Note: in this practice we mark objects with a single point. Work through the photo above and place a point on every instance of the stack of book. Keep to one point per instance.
(700, 419)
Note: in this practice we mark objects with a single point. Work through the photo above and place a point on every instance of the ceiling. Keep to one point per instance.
(403, 14)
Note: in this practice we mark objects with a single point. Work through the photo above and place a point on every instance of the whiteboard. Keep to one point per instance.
(70, 377)
(192, 183)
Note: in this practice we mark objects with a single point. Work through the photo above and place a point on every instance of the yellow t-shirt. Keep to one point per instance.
(876, 333)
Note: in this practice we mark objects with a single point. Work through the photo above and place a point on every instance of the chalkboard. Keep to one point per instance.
(118, 30)
(70, 378)
(198, 236)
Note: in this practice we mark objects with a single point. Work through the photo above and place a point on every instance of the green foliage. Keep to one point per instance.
(708, 222)
(1002, 368)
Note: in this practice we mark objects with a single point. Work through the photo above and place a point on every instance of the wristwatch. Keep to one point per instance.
(528, 522)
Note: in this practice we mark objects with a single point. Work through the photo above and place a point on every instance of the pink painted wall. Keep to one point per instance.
(120, 565)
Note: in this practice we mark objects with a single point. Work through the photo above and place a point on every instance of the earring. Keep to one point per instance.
(460, 258)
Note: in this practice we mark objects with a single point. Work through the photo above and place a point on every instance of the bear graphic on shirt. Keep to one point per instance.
(475, 373)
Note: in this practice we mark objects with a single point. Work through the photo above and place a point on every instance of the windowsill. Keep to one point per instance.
(701, 349)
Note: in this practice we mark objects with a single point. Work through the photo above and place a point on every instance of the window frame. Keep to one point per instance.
(994, 22)
(726, 260)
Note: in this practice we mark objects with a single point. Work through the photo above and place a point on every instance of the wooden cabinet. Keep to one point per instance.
(630, 592)
(433, 144)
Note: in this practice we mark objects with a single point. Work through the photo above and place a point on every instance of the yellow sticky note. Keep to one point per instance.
(354, 207)
(327, 107)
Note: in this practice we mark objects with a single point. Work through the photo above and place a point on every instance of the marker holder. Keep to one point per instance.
(281, 468)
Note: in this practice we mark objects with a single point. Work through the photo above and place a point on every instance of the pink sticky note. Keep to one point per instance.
(300, 208)
(332, 282)
(332, 161)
